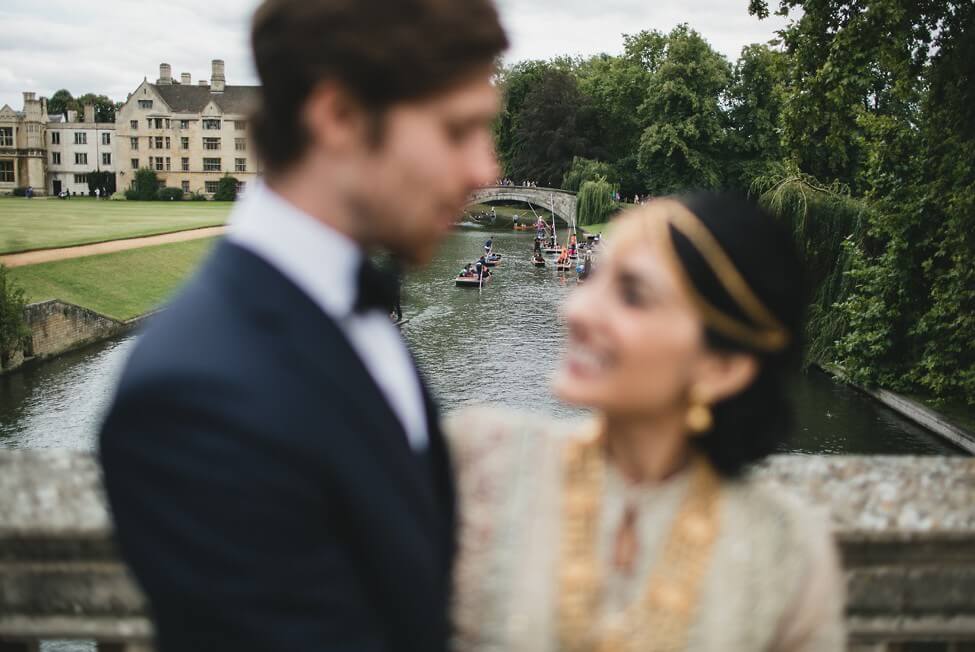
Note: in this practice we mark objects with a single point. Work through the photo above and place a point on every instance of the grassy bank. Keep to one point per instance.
(122, 285)
(46, 223)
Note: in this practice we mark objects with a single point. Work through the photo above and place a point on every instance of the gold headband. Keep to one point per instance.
(769, 334)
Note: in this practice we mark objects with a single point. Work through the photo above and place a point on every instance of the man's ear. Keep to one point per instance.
(725, 374)
(335, 120)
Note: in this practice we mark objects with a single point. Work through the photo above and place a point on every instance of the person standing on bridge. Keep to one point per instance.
(272, 458)
(639, 528)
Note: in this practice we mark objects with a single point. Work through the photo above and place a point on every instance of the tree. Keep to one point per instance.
(617, 87)
(556, 123)
(516, 83)
(61, 102)
(13, 327)
(104, 107)
(595, 202)
(754, 114)
(681, 144)
(881, 95)
(583, 170)
(226, 189)
(145, 186)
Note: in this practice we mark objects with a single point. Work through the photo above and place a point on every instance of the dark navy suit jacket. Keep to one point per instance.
(265, 494)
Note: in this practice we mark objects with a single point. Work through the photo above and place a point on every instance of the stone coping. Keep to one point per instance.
(57, 493)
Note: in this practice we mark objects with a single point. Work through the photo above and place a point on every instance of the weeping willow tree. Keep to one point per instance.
(595, 204)
(827, 223)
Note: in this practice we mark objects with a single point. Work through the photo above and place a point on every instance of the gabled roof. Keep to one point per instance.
(193, 99)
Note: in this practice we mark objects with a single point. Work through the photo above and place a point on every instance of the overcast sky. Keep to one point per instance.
(108, 46)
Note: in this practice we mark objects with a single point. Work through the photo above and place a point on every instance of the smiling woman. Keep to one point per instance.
(629, 527)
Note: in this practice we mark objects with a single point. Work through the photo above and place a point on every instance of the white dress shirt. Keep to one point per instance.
(324, 264)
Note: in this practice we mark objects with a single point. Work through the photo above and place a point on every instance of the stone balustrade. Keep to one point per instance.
(906, 527)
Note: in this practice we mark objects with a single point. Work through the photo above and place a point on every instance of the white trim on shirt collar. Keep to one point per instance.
(318, 259)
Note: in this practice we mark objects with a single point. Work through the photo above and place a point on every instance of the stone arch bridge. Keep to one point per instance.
(561, 203)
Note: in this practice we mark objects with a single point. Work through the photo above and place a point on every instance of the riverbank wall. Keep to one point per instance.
(57, 327)
(913, 411)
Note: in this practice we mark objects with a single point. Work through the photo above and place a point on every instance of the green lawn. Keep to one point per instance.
(27, 224)
(123, 285)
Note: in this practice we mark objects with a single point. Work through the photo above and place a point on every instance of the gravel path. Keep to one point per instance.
(62, 253)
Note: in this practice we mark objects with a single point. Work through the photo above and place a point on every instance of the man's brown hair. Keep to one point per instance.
(381, 51)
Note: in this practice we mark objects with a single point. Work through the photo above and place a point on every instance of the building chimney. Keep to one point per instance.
(202, 82)
(89, 112)
(165, 74)
(28, 96)
(72, 115)
(185, 79)
(217, 80)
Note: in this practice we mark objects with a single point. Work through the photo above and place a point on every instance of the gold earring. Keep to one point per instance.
(699, 418)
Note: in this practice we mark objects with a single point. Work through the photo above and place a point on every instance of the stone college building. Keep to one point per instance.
(190, 135)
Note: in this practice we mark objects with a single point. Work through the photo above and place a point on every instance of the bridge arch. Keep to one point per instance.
(560, 203)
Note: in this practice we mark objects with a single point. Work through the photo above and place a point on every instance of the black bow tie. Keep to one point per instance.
(377, 289)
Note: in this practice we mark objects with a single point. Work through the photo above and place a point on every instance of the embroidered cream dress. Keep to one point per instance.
(770, 580)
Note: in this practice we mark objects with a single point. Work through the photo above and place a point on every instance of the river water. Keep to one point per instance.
(497, 345)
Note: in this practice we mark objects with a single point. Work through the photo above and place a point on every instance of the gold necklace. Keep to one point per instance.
(661, 617)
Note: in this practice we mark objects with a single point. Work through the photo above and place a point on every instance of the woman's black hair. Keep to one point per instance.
(757, 421)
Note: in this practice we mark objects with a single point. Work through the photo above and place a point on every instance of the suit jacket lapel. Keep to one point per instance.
(329, 354)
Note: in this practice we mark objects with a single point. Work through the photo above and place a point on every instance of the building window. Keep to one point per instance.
(106, 138)
(106, 158)
(134, 124)
(159, 163)
(167, 142)
(210, 123)
(55, 158)
(240, 186)
(167, 164)
(145, 104)
(81, 158)
(240, 165)
(159, 142)
(6, 171)
(184, 142)
(167, 123)
(135, 164)
(80, 138)
(211, 186)
(55, 137)
(211, 165)
(240, 125)
(184, 124)
(185, 186)
(6, 136)
(240, 144)
(211, 143)
(185, 164)
(81, 178)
